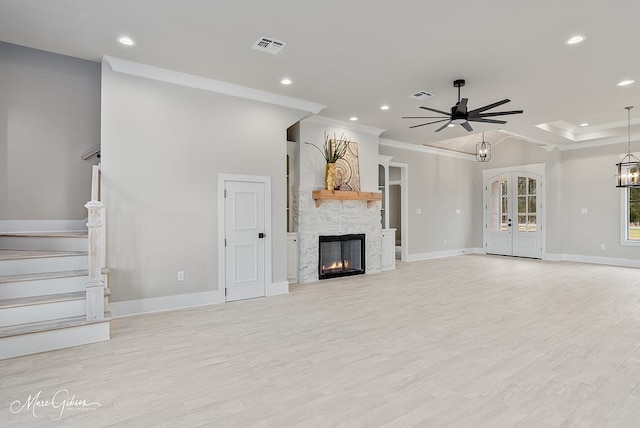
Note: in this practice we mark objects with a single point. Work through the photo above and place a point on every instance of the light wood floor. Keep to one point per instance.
(466, 341)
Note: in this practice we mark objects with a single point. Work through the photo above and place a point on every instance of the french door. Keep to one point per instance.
(513, 214)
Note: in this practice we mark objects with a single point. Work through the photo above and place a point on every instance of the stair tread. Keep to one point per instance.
(43, 275)
(46, 298)
(41, 326)
(48, 275)
(35, 254)
(71, 234)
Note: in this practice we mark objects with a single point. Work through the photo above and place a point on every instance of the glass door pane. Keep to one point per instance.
(499, 205)
(527, 204)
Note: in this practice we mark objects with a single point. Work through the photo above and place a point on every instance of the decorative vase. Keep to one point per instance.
(330, 176)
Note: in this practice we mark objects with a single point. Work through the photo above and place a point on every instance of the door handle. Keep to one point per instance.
(261, 235)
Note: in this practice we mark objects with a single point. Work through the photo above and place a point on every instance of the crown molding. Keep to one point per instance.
(321, 120)
(198, 82)
(599, 143)
(424, 149)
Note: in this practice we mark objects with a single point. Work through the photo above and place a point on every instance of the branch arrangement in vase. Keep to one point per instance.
(333, 152)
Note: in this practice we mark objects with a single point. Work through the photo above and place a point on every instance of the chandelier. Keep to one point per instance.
(483, 151)
(629, 167)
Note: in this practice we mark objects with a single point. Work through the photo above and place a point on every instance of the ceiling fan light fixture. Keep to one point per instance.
(459, 114)
(629, 167)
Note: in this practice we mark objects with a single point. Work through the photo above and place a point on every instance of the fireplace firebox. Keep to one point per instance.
(341, 255)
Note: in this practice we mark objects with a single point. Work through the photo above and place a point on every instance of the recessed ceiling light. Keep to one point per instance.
(127, 41)
(575, 39)
(626, 82)
(286, 81)
(353, 118)
(384, 107)
(584, 124)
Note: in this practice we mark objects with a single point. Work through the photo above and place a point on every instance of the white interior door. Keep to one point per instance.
(244, 240)
(513, 211)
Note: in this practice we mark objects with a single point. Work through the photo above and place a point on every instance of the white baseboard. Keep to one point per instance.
(440, 254)
(552, 257)
(165, 303)
(16, 226)
(611, 261)
(276, 288)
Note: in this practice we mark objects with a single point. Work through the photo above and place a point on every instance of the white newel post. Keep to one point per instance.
(95, 285)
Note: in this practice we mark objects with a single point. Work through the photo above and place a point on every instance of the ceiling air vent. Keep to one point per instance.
(421, 95)
(268, 45)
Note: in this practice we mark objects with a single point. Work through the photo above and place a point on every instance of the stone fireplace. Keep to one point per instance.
(334, 218)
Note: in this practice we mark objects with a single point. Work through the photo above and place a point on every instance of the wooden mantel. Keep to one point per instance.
(342, 195)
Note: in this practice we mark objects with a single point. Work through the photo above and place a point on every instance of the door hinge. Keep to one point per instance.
(225, 193)
(225, 242)
(225, 291)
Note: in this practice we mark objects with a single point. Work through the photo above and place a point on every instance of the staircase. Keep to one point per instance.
(43, 305)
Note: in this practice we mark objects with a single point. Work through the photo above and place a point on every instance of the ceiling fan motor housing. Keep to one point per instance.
(458, 117)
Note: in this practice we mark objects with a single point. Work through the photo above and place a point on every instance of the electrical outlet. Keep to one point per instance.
(180, 275)
(458, 211)
(418, 211)
(602, 246)
(584, 211)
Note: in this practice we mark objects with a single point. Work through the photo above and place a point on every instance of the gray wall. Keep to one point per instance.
(163, 146)
(49, 116)
(438, 186)
(588, 181)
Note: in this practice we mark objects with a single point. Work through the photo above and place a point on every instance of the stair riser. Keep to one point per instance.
(34, 343)
(42, 264)
(12, 290)
(41, 312)
(43, 243)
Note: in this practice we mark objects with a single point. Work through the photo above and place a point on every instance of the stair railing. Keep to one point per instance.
(95, 225)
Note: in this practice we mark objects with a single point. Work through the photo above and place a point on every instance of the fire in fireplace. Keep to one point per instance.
(341, 255)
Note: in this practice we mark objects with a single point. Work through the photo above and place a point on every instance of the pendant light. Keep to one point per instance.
(629, 167)
(483, 151)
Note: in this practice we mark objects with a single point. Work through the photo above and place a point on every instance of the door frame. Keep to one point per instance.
(404, 208)
(536, 168)
(222, 180)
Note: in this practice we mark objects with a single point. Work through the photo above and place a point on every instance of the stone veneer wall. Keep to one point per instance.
(334, 218)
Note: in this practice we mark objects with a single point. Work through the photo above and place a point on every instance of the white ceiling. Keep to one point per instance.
(354, 56)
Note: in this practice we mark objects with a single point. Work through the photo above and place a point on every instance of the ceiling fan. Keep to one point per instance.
(459, 114)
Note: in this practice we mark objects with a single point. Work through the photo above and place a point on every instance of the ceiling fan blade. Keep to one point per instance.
(443, 126)
(466, 126)
(423, 117)
(479, 119)
(437, 111)
(428, 123)
(497, 113)
(462, 106)
(488, 107)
